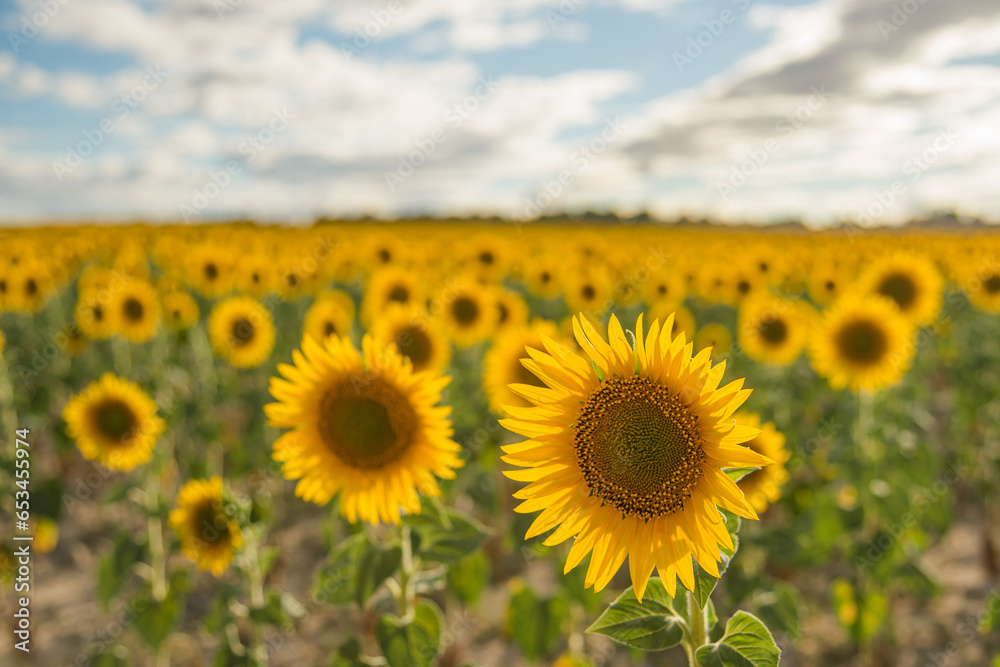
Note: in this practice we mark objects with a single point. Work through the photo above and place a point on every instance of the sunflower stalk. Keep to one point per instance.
(405, 573)
(697, 628)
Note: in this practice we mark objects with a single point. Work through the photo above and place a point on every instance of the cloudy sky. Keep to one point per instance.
(745, 110)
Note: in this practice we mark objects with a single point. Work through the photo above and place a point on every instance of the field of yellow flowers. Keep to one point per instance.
(459, 443)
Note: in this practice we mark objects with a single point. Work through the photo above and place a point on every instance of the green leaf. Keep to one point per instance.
(447, 535)
(736, 474)
(989, 618)
(156, 620)
(116, 567)
(348, 654)
(747, 643)
(469, 577)
(414, 643)
(272, 613)
(534, 624)
(653, 625)
(779, 609)
(377, 564)
(335, 582)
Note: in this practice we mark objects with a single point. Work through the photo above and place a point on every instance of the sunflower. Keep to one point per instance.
(74, 339)
(982, 285)
(365, 426)
(3, 342)
(826, 282)
(502, 364)
(332, 313)
(206, 521)
(210, 272)
(763, 486)
(242, 331)
(392, 285)
(93, 315)
(512, 311)
(180, 310)
(28, 287)
(255, 274)
(543, 276)
(663, 286)
(137, 310)
(469, 315)
(416, 336)
(113, 423)
(909, 279)
(863, 342)
(772, 329)
(714, 337)
(588, 291)
(627, 453)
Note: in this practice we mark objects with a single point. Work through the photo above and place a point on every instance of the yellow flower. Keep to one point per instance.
(862, 342)
(416, 336)
(180, 310)
(502, 365)
(114, 423)
(716, 338)
(136, 310)
(763, 487)
(772, 329)
(911, 281)
(365, 426)
(627, 454)
(469, 315)
(242, 331)
(332, 313)
(209, 532)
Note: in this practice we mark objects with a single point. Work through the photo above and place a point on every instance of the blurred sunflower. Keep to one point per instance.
(392, 285)
(826, 282)
(763, 486)
(714, 337)
(206, 522)
(502, 364)
(254, 274)
(210, 272)
(114, 423)
(29, 287)
(416, 337)
(911, 280)
(664, 286)
(332, 313)
(470, 316)
(862, 342)
(180, 310)
(512, 311)
(93, 316)
(683, 319)
(627, 453)
(982, 285)
(76, 341)
(588, 290)
(773, 330)
(137, 310)
(365, 426)
(543, 277)
(241, 331)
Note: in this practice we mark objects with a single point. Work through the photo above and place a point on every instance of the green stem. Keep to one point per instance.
(698, 627)
(406, 573)
(159, 564)
(869, 454)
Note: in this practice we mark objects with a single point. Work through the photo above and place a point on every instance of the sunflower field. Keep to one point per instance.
(471, 442)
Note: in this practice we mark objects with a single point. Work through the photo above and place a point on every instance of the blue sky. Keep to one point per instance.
(736, 109)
